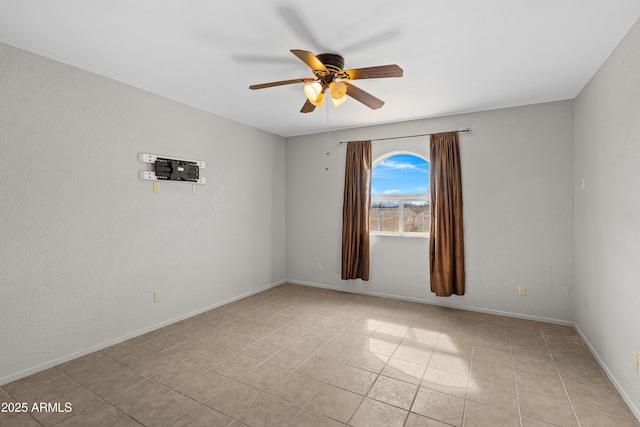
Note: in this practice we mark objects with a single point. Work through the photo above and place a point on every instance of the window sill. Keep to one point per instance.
(410, 235)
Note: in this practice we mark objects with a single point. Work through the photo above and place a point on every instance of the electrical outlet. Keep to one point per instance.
(634, 361)
(156, 296)
(522, 290)
(318, 266)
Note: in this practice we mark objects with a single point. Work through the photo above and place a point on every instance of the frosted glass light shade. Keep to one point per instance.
(319, 100)
(338, 102)
(314, 93)
(338, 90)
(312, 90)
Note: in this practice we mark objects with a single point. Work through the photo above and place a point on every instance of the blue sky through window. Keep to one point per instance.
(401, 174)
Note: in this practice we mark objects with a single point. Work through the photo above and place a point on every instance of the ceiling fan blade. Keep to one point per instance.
(365, 97)
(307, 107)
(310, 59)
(372, 41)
(300, 27)
(281, 83)
(262, 59)
(378, 72)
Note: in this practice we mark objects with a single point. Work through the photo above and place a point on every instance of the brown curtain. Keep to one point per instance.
(355, 211)
(446, 243)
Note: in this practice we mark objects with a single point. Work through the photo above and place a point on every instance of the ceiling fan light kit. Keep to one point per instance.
(315, 93)
(328, 69)
(338, 91)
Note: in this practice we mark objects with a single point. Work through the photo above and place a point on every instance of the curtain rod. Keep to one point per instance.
(412, 136)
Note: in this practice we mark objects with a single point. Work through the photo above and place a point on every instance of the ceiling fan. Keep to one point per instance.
(328, 69)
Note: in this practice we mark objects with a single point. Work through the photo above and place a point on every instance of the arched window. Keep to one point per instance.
(400, 196)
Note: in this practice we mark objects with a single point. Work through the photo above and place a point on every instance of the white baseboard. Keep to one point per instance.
(424, 301)
(630, 403)
(30, 371)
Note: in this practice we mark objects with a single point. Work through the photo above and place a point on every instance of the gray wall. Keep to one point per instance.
(607, 214)
(85, 243)
(517, 183)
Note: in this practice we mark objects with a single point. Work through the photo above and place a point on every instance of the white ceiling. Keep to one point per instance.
(457, 55)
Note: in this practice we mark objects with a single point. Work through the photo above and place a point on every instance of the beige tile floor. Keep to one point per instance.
(301, 356)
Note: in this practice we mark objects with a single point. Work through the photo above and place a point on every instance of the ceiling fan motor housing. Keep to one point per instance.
(333, 62)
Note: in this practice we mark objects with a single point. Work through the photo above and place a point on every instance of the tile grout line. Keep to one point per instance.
(515, 381)
(561, 379)
(104, 400)
(466, 390)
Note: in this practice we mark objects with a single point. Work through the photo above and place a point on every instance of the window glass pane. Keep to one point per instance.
(384, 216)
(401, 174)
(375, 220)
(399, 195)
(416, 216)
